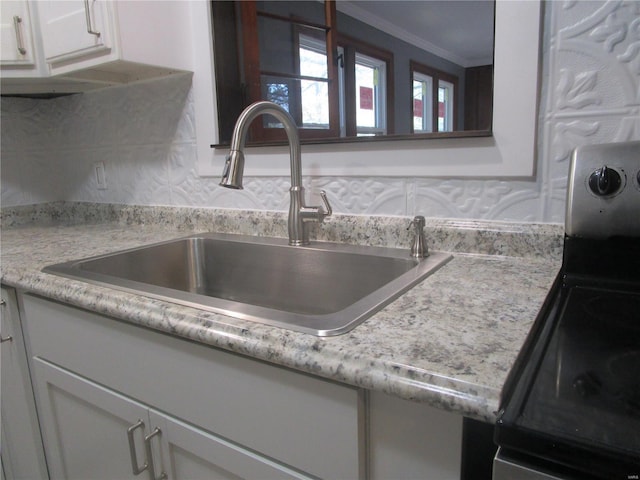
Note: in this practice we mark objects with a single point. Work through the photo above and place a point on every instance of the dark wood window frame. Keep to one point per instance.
(437, 75)
(251, 62)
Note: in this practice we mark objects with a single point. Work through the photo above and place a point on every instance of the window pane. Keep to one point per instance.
(365, 85)
(314, 94)
(315, 104)
(277, 46)
(445, 106)
(422, 103)
(279, 91)
(286, 92)
(370, 95)
(313, 61)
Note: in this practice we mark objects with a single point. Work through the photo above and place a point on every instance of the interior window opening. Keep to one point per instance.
(297, 54)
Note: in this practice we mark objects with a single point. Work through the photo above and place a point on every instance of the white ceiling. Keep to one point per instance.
(459, 30)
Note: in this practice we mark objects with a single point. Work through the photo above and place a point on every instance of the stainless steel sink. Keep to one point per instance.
(323, 289)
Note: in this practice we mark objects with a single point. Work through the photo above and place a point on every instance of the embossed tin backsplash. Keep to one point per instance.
(144, 138)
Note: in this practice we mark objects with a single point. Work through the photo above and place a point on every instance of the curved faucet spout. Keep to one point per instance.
(299, 214)
(234, 167)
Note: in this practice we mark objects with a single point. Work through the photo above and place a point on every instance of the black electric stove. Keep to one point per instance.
(571, 406)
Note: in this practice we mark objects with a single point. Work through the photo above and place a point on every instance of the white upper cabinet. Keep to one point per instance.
(18, 54)
(75, 30)
(88, 44)
(116, 41)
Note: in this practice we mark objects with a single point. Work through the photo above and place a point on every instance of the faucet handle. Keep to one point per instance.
(327, 206)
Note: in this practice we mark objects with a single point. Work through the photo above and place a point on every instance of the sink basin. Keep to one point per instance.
(323, 289)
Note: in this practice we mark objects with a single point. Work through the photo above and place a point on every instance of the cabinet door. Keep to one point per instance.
(16, 38)
(190, 452)
(85, 426)
(22, 453)
(74, 29)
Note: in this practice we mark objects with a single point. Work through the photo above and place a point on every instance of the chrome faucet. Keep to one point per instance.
(299, 214)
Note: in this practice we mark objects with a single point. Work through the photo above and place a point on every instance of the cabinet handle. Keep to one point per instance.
(17, 21)
(9, 338)
(87, 12)
(132, 448)
(147, 446)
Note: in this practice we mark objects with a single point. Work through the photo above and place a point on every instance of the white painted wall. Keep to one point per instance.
(145, 136)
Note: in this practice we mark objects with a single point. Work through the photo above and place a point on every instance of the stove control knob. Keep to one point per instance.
(604, 181)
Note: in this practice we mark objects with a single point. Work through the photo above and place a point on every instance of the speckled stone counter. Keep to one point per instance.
(448, 342)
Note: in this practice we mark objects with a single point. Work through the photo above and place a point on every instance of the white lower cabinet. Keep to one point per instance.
(94, 432)
(409, 440)
(218, 415)
(21, 448)
(120, 401)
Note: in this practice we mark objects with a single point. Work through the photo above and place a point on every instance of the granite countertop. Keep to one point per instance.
(449, 342)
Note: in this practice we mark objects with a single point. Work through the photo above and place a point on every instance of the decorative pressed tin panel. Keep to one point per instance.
(144, 135)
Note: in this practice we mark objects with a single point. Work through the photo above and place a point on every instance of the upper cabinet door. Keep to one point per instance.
(75, 29)
(16, 36)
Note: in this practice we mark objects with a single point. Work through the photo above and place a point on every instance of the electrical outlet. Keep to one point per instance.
(101, 176)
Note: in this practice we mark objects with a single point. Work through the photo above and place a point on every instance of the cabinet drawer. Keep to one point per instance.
(312, 424)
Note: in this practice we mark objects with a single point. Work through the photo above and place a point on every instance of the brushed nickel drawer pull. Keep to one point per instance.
(147, 446)
(132, 448)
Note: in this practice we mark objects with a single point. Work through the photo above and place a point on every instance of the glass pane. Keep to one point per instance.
(370, 95)
(293, 62)
(276, 41)
(313, 58)
(306, 100)
(314, 92)
(278, 90)
(445, 106)
(422, 103)
(278, 93)
(365, 98)
(315, 104)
